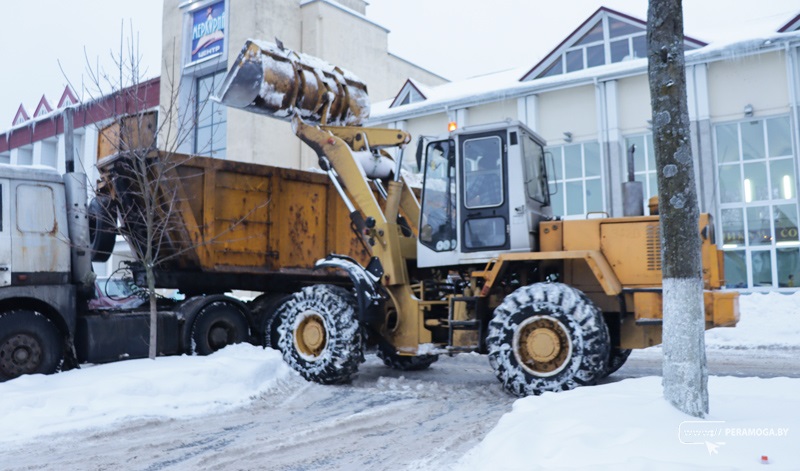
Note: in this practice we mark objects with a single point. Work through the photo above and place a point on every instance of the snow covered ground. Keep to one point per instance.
(623, 424)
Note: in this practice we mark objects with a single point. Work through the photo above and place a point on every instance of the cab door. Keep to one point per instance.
(5, 234)
(484, 192)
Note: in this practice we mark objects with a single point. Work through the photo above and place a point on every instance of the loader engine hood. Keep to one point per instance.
(269, 79)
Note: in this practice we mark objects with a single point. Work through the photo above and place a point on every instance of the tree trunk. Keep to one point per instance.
(685, 379)
(151, 288)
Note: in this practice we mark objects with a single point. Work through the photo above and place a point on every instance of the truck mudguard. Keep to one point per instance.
(366, 282)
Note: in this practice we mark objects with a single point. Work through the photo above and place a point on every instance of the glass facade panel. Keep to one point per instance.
(758, 202)
(574, 198)
(574, 60)
(781, 173)
(788, 261)
(594, 195)
(644, 165)
(619, 50)
(555, 69)
(639, 46)
(595, 55)
(618, 28)
(755, 182)
(730, 187)
(578, 179)
(785, 217)
(572, 161)
(753, 140)
(779, 138)
(557, 199)
(639, 153)
(732, 227)
(211, 118)
(727, 143)
(591, 159)
(758, 226)
(735, 269)
(761, 263)
(594, 35)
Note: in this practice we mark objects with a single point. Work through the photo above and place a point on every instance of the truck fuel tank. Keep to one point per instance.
(269, 79)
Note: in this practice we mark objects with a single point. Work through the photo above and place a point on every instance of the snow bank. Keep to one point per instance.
(628, 425)
(168, 387)
(770, 320)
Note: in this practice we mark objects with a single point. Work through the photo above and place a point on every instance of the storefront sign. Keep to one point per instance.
(208, 31)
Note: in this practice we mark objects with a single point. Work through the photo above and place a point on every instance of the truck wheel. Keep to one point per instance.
(216, 326)
(102, 231)
(616, 358)
(29, 344)
(319, 334)
(547, 337)
(391, 359)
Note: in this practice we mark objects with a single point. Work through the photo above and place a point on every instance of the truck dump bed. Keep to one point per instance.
(223, 217)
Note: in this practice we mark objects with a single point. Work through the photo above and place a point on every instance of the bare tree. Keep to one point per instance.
(685, 378)
(141, 191)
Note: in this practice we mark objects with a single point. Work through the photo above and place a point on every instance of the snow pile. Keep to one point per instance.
(770, 320)
(169, 387)
(628, 425)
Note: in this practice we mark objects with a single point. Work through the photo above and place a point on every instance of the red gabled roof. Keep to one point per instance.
(67, 98)
(21, 113)
(592, 18)
(130, 100)
(43, 104)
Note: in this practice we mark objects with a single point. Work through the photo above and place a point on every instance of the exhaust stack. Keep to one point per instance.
(77, 212)
(269, 79)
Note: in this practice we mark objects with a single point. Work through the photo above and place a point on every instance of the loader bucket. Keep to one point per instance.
(281, 83)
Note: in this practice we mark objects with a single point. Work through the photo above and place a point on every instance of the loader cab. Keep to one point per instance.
(484, 193)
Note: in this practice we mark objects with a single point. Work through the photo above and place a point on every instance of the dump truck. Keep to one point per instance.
(477, 264)
(234, 226)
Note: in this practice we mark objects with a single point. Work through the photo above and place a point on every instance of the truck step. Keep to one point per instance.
(649, 321)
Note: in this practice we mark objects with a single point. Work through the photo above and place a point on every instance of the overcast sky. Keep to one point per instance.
(454, 38)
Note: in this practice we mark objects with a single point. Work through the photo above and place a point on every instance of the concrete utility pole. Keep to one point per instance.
(685, 378)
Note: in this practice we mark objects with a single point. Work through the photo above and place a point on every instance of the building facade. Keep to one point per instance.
(203, 38)
(589, 98)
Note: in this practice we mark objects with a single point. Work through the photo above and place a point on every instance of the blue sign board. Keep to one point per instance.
(208, 31)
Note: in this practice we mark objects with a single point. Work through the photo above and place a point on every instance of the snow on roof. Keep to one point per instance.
(759, 35)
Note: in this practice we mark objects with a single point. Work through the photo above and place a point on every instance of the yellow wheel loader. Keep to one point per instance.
(477, 264)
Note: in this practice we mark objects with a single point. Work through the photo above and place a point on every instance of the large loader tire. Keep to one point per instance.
(216, 326)
(616, 358)
(102, 231)
(320, 336)
(547, 337)
(29, 344)
(402, 362)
